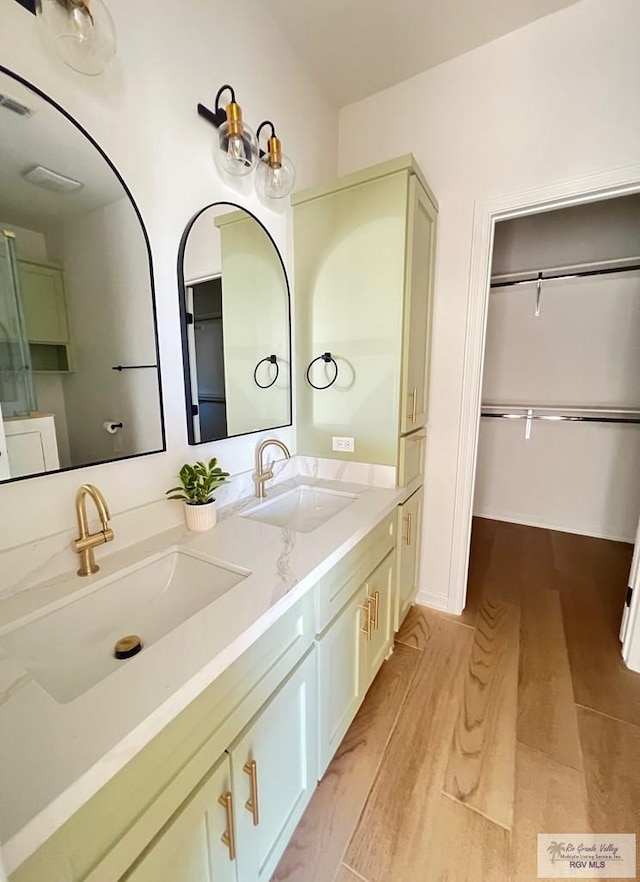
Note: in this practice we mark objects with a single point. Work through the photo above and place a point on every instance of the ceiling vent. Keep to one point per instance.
(50, 180)
(15, 106)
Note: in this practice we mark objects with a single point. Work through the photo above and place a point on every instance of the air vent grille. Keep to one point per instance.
(15, 106)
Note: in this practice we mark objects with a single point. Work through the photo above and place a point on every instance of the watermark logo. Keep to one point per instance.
(586, 856)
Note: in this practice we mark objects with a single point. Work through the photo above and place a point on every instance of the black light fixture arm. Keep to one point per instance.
(218, 115)
(266, 122)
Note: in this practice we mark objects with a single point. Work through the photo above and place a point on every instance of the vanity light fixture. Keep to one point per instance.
(81, 31)
(275, 173)
(237, 149)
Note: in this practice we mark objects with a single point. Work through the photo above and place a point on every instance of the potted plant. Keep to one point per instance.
(198, 483)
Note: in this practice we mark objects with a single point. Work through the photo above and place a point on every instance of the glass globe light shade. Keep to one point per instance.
(275, 180)
(82, 32)
(237, 149)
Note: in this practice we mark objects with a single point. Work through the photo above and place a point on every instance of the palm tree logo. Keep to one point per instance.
(555, 850)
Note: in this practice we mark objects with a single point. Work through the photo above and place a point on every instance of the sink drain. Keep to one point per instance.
(127, 646)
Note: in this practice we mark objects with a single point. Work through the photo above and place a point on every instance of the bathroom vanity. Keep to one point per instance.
(196, 758)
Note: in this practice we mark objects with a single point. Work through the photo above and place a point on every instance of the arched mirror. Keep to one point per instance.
(79, 369)
(236, 326)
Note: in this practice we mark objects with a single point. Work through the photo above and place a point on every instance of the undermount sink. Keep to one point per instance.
(69, 647)
(302, 509)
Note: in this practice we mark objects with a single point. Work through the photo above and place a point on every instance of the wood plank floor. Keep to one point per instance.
(482, 731)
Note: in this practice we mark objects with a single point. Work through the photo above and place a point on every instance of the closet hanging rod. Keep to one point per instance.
(576, 274)
(556, 418)
(568, 410)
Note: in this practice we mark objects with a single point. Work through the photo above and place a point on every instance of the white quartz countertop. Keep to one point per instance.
(54, 757)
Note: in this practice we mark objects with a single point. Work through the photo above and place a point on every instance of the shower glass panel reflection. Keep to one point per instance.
(17, 394)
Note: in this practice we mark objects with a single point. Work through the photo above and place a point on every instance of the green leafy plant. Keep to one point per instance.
(198, 482)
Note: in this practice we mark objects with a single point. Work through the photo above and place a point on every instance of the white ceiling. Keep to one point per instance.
(354, 48)
(49, 139)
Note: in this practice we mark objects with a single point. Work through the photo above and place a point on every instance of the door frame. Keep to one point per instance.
(615, 182)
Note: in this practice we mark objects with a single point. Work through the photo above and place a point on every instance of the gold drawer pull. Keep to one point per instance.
(375, 600)
(229, 835)
(251, 805)
(414, 403)
(407, 535)
(366, 607)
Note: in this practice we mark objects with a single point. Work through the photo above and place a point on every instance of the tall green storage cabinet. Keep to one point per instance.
(364, 257)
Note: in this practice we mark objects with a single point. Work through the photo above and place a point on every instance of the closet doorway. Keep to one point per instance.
(557, 486)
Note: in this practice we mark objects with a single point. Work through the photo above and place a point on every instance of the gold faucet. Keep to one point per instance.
(86, 541)
(262, 475)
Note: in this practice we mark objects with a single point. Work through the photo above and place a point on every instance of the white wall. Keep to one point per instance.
(30, 244)
(202, 257)
(551, 102)
(143, 113)
(111, 323)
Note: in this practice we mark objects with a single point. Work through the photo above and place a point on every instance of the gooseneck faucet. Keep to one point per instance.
(263, 474)
(86, 541)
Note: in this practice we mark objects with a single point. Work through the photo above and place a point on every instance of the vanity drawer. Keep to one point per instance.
(336, 588)
(411, 458)
(105, 836)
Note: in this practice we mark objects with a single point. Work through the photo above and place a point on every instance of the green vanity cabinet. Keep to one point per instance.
(107, 836)
(409, 536)
(191, 848)
(358, 596)
(341, 659)
(274, 772)
(418, 304)
(43, 298)
(350, 654)
(236, 823)
(380, 589)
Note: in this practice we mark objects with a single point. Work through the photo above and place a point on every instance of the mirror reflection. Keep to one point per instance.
(79, 378)
(235, 325)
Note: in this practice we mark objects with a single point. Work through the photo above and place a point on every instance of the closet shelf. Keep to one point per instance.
(575, 271)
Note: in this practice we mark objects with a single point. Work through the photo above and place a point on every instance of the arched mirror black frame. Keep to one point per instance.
(98, 148)
(182, 295)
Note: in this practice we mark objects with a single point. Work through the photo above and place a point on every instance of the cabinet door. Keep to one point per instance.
(409, 534)
(417, 308)
(340, 660)
(191, 847)
(274, 771)
(43, 302)
(411, 459)
(350, 268)
(379, 591)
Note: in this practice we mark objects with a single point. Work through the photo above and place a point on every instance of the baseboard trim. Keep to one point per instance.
(511, 518)
(433, 601)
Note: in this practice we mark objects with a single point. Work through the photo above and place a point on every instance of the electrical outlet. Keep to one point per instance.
(344, 445)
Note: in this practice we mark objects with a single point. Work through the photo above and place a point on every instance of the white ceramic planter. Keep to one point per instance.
(201, 517)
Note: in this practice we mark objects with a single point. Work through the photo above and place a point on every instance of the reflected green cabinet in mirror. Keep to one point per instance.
(45, 312)
(364, 258)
